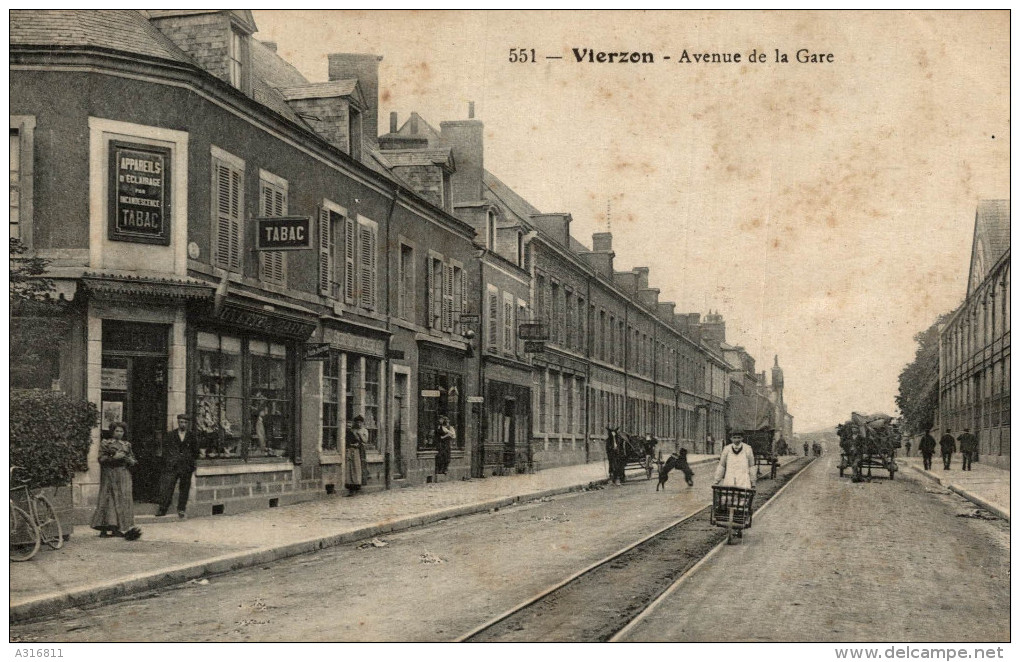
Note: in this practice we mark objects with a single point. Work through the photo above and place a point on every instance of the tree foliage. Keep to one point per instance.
(50, 436)
(918, 397)
(38, 322)
(26, 271)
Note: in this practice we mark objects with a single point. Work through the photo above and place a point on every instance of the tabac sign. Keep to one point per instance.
(284, 233)
(139, 193)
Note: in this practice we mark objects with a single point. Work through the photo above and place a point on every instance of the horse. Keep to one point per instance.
(616, 454)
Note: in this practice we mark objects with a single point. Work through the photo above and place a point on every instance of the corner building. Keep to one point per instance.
(146, 144)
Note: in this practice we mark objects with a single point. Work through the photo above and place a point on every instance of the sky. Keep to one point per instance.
(825, 209)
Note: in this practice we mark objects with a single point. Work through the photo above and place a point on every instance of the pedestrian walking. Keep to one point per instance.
(908, 448)
(968, 448)
(355, 441)
(947, 444)
(180, 452)
(736, 464)
(927, 448)
(115, 509)
(446, 434)
(710, 445)
(805, 449)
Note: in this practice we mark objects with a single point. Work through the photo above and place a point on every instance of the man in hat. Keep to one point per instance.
(736, 464)
(927, 448)
(947, 444)
(968, 447)
(180, 451)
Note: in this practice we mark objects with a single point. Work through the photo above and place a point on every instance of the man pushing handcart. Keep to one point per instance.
(733, 492)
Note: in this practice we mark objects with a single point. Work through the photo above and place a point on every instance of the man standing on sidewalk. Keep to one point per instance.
(180, 451)
(968, 447)
(947, 444)
(927, 448)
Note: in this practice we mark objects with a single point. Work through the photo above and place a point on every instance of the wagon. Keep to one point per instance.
(732, 509)
(753, 416)
(868, 442)
(639, 454)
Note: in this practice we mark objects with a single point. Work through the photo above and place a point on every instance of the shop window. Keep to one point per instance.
(242, 412)
(331, 402)
(361, 394)
(219, 401)
(442, 394)
(371, 400)
(270, 401)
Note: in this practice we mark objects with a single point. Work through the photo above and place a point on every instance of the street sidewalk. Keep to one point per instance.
(171, 551)
(985, 485)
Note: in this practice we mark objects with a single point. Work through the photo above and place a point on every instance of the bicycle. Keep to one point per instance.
(33, 522)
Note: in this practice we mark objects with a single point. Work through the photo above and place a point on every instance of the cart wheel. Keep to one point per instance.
(729, 529)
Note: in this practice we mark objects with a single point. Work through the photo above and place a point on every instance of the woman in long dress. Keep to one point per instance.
(355, 441)
(736, 465)
(115, 509)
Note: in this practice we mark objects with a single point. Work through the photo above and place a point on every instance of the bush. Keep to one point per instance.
(50, 436)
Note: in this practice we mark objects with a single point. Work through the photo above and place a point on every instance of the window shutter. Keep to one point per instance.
(366, 261)
(227, 242)
(463, 291)
(508, 323)
(493, 330)
(325, 252)
(349, 253)
(430, 293)
(448, 297)
(274, 203)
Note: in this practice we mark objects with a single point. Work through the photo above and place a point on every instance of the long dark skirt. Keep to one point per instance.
(115, 510)
(355, 477)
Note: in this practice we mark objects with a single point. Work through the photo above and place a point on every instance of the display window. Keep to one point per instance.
(243, 399)
(350, 384)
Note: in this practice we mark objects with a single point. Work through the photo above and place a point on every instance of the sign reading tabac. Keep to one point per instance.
(284, 233)
(139, 193)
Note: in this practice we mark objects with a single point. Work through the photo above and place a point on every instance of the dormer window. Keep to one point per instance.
(490, 231)
(236, 55)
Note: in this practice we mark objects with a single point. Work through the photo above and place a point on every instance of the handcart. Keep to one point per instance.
(732, 510)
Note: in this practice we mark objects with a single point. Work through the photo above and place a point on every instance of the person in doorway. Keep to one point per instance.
(446, 434)
(947, 444)
(180, 451)
(736, 464)
(356, 441)
(968, 448)
(115, 509)
(927, 448)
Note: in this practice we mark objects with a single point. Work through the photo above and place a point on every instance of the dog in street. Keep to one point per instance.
(677, 460)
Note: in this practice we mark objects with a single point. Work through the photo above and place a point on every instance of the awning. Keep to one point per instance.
(130, 286)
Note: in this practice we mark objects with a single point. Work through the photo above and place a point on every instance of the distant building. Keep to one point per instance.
(974, 342)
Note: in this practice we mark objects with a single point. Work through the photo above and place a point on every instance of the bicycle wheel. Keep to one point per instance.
(24, 535)
(46, 519)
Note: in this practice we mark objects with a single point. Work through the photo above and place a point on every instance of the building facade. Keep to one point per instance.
(143, 188)
(974, 342)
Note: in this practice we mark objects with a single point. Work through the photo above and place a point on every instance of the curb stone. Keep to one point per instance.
(965, 493)
(51, 603)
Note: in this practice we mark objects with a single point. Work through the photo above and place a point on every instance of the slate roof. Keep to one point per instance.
(410, 157)
(991, 240)
(120, 30)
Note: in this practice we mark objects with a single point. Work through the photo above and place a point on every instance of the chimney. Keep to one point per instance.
(649, 296)
(602, 241)
(271, 45)
(393, 122)
(642, 277)
(364, 67)
(555, 225)
(626, 281)
(466, 139)
(601, 256)
(666, 309)
(471, 110)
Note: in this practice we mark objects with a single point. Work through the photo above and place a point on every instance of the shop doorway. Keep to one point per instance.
(134, 391)
(509, 433)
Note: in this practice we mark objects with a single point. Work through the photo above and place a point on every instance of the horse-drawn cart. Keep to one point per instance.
(868, 442)
(752, 416)
(629, 451)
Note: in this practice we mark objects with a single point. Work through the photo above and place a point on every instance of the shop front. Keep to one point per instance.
(353, 379)
(441, 373)
(243, 397)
